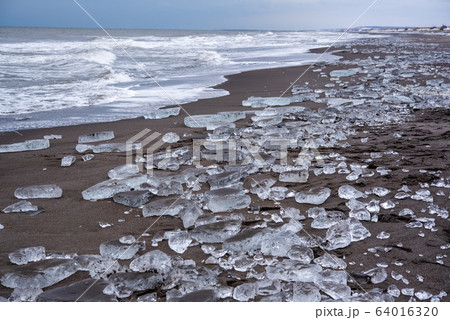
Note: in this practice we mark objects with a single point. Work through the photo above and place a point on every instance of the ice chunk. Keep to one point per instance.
(134, 199)
(127, 239)
(108, 147)
(40, 274)
(279, 243)
(246, 241)
(97, 266)
(245, 292)
(301, 253)
(298, 177)
(259, 102)
(423, 295)
(29, 145)
(53, 137)
(290, 270)
(95, 137)
(225, 179)
(179, 241)
(107, 189)
(25, 294)
(170, 137)
(21, 206)
(67, 161)
(163, 113)
(226, 200)
(123, 171)
(357, 231)
(348, 192)
(153, 260)
(345, 73)
(202, 121)
(122, 251)
(216, 232)
(393, 290)
(330, 261)
(25, 255)
(87, 157)
(187, 210)
(383, 235)
(327, 219)
(313, 196)
(135, 281)
(305, 292)
(380, 191)
(89, 290)
(377, 275)
(47, 191)
(243, 263)
(338, 236)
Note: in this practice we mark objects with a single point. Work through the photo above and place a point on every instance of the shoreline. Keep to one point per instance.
(70, 224)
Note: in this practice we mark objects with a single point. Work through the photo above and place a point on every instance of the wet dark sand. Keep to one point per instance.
(70, 224)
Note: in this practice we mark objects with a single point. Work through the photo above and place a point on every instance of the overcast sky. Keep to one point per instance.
(224, 14)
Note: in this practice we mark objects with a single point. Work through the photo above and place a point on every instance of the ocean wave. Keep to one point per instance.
(98, 56)
(211, 58)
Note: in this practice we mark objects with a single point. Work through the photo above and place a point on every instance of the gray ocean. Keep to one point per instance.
(56, 77)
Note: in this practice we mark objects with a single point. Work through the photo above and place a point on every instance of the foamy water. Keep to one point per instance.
(51, 77)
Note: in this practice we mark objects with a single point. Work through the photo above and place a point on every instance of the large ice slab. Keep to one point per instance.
(95, 137)
(37, 144)
(202, 121)
(226, 200)
(107, 189)
(47, 191)
(108, 147)
(89, 290)
(40, 274)
(263, 102)
(163, 113)
(216, 232)
(345, 73)
(134, 198)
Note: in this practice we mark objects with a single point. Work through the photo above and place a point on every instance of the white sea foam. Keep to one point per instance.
(60, 69)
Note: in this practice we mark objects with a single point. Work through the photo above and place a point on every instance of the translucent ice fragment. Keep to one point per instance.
(245, 292)
(123, 171)
(89, 290)
(40, 274)
(21, 206)
(297, 177)
(109, 188)
(301, 253)
(330, 261)
(95, 137)
(39, 192)
(344, 73)
(29, 145)
(313, 196)
(257, 102)
(163, 113)
(202, 121)
(134, 198)
(67, 161)
(216, 232)
(226, 200)
(153, 260)
(179, 241)
(87, 157)
(122, 251)
(377, 275)
(348, 192)
(25, 255)
(305, 292)
(170, 137)
(327, 219)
